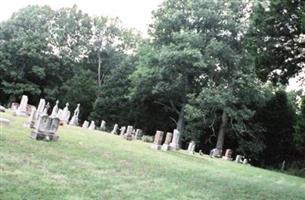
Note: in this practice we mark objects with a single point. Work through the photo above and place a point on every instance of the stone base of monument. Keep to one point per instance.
(128, 137)
(174, 147)
(21, 113)
(29, 124)
(165, 147)
(156, 147)
(44, 136)
(227, 158)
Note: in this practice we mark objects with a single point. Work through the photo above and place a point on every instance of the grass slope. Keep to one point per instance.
(86, 164)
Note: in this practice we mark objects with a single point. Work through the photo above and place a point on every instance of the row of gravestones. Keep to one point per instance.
(128, 133)
(45, 126)
(229, 156)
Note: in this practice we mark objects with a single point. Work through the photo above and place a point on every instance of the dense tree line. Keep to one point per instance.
(211, 69)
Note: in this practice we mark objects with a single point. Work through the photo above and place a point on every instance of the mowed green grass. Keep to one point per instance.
(86, 164)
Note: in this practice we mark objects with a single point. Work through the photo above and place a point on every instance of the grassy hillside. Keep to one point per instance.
(87, 164)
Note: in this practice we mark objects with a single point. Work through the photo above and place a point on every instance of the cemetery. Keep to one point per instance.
(205, 101)
(81, 155)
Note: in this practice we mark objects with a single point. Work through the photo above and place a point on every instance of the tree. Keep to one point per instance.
(299, 135)
(276, 39)
(277, 117)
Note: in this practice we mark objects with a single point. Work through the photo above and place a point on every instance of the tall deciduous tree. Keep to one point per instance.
(277, 39)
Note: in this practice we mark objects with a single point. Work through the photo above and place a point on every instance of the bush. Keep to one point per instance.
(147, 138)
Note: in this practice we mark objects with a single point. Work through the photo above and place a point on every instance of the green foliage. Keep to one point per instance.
(277, 117)
(275, 38)
(147, 138)
(299, 136)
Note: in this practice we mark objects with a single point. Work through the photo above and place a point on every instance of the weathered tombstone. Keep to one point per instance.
(46, 128)
(65, 114)
(55, 110)
(92, 125)
(4, 122)
(40, 108)
(239, 159)
(158, 140)
(21, 111)
(122, 130)
(228, 154)
(216, 153)
(128, 134)
(138, 134)
(115, 129)
(103, 125)
(14, 106)
(191, 147)
(31, 121)
(245, 161)
(74, 119)
(168, 139)
(174, 145)
(200, 152)
(46, 108)
(59, 114)
(85, 124)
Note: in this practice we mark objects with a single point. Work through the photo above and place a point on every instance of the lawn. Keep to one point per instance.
(86, 164)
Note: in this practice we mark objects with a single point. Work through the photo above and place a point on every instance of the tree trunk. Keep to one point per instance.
(221, 133)
(180, 123)
(99, 69)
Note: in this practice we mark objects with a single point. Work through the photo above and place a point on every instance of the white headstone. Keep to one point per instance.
(191, 147)
(65, 114)
(174, 145)
(85, 124)
(74, 119)
(115, 129)
(103, 125)
(22, 106)
(55, 110)
(92, 125)
(31, 121)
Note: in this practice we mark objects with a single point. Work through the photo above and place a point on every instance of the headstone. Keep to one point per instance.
(55, 110)
(2, 109)
(158, 140)
(103, 125)
(4, 122)
(46, 109)
(92, 125)
(59, 113)
(46, 128)
(122, 130)
(85, 124)
(14, 106)
(228, 154)
(138, 134)
(245, 161)
(191, 147)
(216, 153)
(74, 119)
(40, 108)
(128, 134)
(174, 145)
(168, 139)
(239, 159)
(115, 129)
(31, 121)
(65, 114)
(21, 111)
